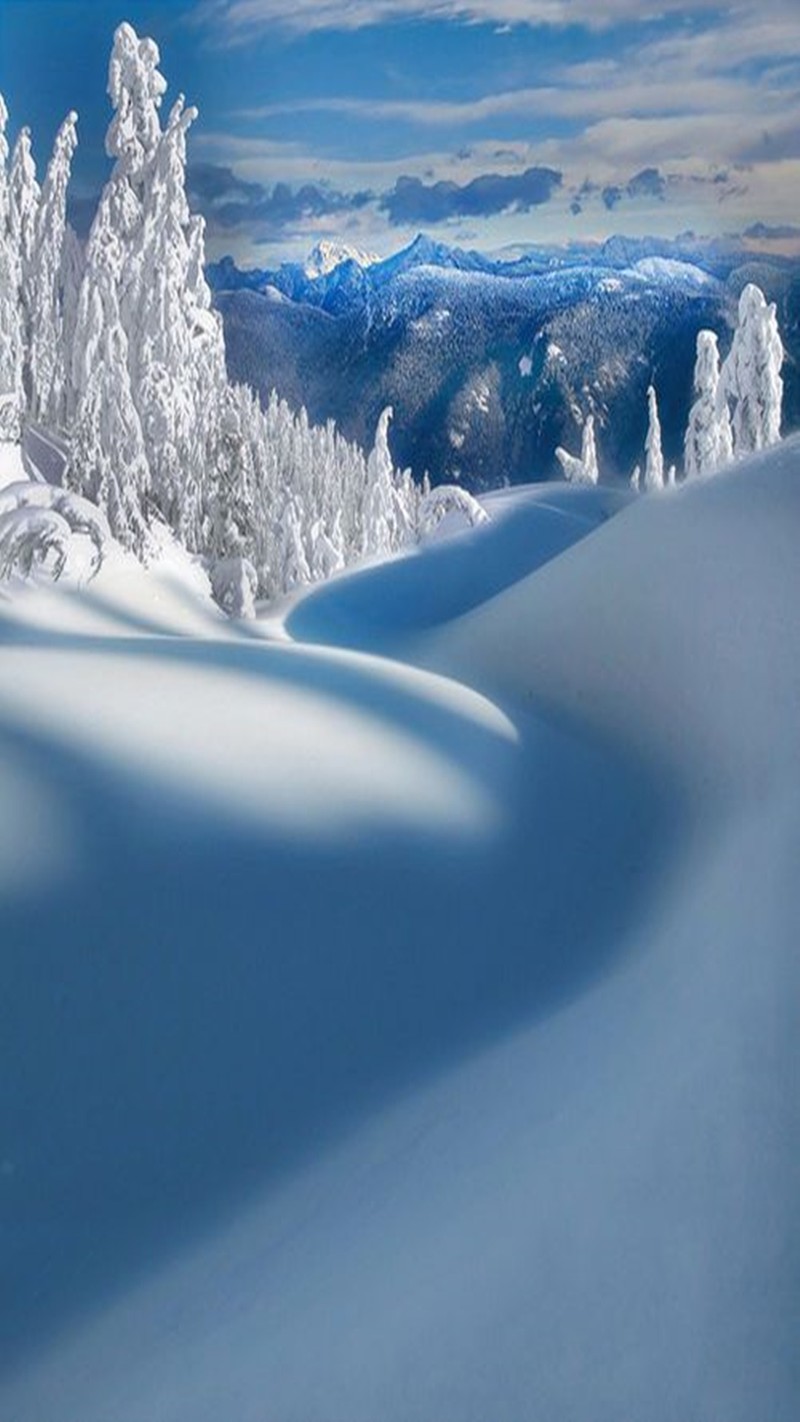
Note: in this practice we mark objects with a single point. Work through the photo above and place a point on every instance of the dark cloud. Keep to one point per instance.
(211, 182)
(763, 232)
(769, 147)
(228, 202)
(648, 183)
(412, 201)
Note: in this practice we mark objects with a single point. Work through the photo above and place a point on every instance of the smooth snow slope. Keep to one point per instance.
(454, 1086)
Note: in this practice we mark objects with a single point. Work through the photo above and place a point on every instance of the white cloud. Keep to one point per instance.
(719, 92)
(241, 18)
(628, 92)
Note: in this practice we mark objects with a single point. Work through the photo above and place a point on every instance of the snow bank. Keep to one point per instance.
(384, 607)
(665, 629)
(389, 1046)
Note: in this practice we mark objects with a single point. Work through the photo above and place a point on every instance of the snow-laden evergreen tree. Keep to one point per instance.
(709, 438)
(135, 88)
(23, 208)
(380, 529)
(177, 351)
(654, 457)
(145, 242)
(586, 469)
(107, 461)
(751, 375)
(24, 195)
(11, 345)
(73, 266)
(294, 569)
(46, 359)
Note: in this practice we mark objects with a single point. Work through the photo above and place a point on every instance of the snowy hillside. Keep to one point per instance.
(399, 997)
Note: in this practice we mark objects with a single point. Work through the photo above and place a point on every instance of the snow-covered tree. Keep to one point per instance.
(709, 439)
(654, 458)
(135, 88)
(11, 346)
(380, 530)
(24, 195)
(23, 207)
(234, 583)
(177, 349)
(144, 274)
(73, 265)
(294, 569)
(751, 376)
(47, 367)
(107, 462)
(583, 470)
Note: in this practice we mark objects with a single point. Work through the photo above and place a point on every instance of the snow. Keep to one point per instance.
(327, 256)
(401, 1014)
(668, 269)
(12, 470)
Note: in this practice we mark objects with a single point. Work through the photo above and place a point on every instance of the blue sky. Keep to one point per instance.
(483, 122)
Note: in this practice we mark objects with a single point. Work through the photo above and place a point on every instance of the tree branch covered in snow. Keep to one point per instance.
(448, 499)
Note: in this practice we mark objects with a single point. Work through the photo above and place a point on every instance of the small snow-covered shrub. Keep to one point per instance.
(234, 582)
(33, 540)
(49, 531)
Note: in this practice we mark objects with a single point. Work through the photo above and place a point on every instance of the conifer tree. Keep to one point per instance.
(23, 200)
(47, 363)
(654, 457)
(583, 470)
(751, 376)
(709, 439)
(11, 347)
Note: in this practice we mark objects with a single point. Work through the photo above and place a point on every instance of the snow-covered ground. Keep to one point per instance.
(399, 1002)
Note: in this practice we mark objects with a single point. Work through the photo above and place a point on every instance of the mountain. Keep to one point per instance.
(490, 364)
(327, 256)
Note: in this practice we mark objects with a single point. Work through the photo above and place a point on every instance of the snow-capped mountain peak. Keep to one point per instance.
(327, 256)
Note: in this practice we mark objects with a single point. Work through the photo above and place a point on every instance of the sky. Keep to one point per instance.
(484, 123)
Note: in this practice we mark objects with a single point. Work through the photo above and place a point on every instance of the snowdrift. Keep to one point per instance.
(411, 1037)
